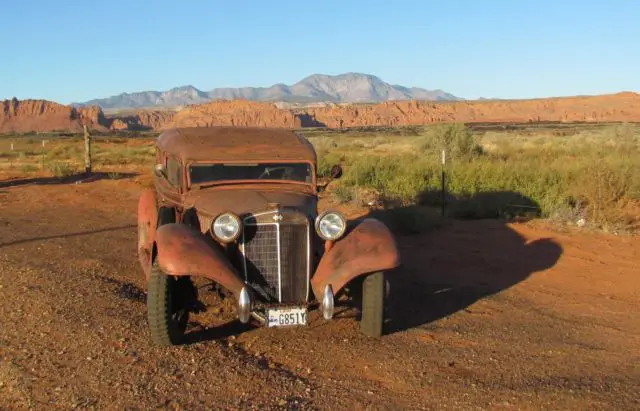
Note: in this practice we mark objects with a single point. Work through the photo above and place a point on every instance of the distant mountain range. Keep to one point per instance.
(317, 88)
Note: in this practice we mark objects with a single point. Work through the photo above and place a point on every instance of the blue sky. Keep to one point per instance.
(77, 50)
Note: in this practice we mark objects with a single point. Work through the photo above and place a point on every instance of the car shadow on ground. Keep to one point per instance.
(69, 235)
(199, 333)
(76, 178)
(456, 263)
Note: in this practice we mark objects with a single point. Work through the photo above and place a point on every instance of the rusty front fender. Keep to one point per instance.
(368, 248)
(184, 251)
(147, 222)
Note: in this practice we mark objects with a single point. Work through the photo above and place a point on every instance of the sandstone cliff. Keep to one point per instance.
(39, 115)
(615, 107)
(234, 113)
(42, 115)
(143, 120)
(153, 120)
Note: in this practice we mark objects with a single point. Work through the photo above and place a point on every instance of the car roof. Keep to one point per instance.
(229, 143)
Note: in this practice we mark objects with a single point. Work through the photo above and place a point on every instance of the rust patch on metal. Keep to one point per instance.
(248, 198)
(183, 250)
(328, 245)
(147, 222)
(227, 143)
(367, 248)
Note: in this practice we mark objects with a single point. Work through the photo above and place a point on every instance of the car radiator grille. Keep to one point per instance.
(276, 260)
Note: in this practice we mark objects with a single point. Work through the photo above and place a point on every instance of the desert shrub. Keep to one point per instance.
(591, 174)
(65, 152)
(378, 141)
(603, 188)
(124, 155)
(28, 168)
(343, 194)
(456, 139)
(62, 168)
(358, 144)
(9, 154)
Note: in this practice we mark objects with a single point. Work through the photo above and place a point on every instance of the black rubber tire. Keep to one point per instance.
(372, 311)
(166, 324)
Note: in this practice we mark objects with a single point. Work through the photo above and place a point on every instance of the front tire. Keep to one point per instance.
(166, 312)
(372, 311)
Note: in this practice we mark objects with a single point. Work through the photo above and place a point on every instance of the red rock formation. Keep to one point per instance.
(118, 125)
(153, 120)
(42, 115)
(39, 115)
(615, 107)
(93, 117)
(234, 113)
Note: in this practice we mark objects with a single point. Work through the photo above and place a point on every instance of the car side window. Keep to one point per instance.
(174, 171)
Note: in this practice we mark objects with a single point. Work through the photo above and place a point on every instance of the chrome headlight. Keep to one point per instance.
(331, 225)
(226, 227)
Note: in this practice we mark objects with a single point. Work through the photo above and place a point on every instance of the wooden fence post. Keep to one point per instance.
(87, 151)
(444, 184)
(42, 155)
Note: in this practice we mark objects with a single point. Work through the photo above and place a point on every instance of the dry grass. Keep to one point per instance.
(589, 175)
(61, 154)
(569, 173)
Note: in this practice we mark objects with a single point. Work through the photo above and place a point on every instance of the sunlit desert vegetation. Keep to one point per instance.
(582, 174)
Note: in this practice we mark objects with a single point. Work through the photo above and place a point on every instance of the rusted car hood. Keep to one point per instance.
(216, 200)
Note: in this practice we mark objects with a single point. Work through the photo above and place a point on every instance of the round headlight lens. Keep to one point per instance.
(226, 227)
(331, 225)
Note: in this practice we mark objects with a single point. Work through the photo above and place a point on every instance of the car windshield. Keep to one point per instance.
(210, 173)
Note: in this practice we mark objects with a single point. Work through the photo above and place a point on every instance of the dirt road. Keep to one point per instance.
(486, 316)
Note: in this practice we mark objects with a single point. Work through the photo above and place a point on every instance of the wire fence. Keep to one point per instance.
(66, 155)
(24, 154)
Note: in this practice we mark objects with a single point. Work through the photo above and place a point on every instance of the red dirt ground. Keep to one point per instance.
(486, 315)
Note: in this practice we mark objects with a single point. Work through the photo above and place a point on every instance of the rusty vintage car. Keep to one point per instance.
(239, 206)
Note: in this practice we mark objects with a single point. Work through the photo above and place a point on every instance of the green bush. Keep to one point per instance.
(575, 174)
(457, 140)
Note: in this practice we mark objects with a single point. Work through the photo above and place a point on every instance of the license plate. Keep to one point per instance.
(284, 317)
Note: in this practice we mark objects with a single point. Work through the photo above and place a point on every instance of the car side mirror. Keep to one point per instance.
(160, 170)
(334, 174)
